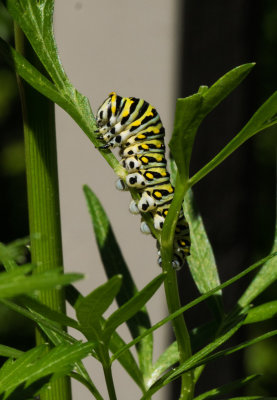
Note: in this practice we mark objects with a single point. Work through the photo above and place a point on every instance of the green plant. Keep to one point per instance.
(24, 375)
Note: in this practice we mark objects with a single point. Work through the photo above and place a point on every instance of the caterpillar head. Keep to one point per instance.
(106, 114)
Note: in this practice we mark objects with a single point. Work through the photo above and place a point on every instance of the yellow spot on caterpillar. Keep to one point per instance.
(158, 194)
(137, 122)
(170, 190)
(141, 136)
(166, 212)
(163, 173)
(145, 146)
(149, 175)
(144, 160)
(159, 158)
(182, 243)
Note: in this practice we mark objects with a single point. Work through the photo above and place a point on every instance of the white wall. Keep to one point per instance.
(129, 47)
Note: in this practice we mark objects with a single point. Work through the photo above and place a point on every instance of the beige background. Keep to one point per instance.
(129, 47)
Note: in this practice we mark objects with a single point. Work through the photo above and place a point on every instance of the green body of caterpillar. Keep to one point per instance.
(135, 127)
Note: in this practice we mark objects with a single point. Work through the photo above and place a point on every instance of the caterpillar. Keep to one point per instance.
(135, 127)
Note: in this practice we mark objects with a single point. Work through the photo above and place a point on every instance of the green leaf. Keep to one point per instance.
(199, 336)
(194, 303)
(262, 312)
(31, 75)
(56, 338)
(47, 313)
(132, 306)
(186, 124)
(14, 282)
(263, 118)
(126, 360)
(12, 252)
(36, 21)
(6, 351)
(225, 389)
(264, 278)
(39, 319)
(90, 309)
(169, 357)
(114, 263)
(253, 398)
(201, 262)
(198, 358)
(36, 364)
(191, 111)
(224, 86)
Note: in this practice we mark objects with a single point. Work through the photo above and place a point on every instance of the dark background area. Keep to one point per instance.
(237, 200)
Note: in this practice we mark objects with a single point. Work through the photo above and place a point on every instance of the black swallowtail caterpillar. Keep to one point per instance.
(135, 127)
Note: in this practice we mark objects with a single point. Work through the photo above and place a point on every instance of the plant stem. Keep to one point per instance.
(105, 360)
(171, 288)
(43, 195)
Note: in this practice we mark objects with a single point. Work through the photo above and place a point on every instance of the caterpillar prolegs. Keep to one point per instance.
(135, 127)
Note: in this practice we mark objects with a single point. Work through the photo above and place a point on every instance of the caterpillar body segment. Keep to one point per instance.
(135, 127)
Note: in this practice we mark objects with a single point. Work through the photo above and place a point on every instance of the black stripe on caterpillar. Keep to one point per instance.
(135, 127)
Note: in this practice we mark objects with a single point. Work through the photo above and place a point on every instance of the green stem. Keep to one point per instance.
(171, 287)
(105, 360)
(43, 195)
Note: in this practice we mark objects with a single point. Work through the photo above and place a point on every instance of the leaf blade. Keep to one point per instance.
(114, 263)
(132, 306)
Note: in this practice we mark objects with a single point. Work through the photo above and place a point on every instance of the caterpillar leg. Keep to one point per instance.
(121, 185)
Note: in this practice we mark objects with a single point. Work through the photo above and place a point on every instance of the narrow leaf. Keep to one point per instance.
(201, 262)
(194, 303)
(13, 252)
(35, 364)
(263, 118)
(6, 351)
(47, 313)
(168, 358)
(253, 398)
(114, 263)
(225, 389)
(36, 21)
(126, 360)
(79, 368)
(39, 319)
(30, 74)
(224, 86)
(186, 123)
(191, 111)
(262, 312)
(195, 360)
(132, 306)
(11, 285)
(90, 309)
